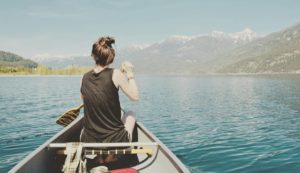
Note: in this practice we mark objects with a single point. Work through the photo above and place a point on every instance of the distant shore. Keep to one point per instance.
(39, 75)
(41, 70)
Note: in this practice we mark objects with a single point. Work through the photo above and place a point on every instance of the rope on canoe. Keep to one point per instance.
(73, 159)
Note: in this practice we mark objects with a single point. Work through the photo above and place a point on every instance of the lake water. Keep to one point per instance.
(212, 123)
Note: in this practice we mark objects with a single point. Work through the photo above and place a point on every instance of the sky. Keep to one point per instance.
(37, 28)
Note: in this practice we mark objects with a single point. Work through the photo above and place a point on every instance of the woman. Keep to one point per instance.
(99, 91)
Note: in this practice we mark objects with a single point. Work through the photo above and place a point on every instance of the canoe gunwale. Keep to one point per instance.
(164, 149)
(42, 147)
(146, 163)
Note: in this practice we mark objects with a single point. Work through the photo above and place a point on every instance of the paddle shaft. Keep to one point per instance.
(79, 107)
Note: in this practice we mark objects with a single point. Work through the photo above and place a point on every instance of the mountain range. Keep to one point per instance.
(186, 55)
(217, 52)
(277, 52)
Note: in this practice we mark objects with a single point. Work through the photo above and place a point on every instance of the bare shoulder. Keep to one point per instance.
(117, 72)
(117, 77)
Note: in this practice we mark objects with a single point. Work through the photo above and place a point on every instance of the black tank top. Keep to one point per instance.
(102, 110)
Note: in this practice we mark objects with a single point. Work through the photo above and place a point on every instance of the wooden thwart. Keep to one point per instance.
(99, 145)
(116, 151)
(144, 150)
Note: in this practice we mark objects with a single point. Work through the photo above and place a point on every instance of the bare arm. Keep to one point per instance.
(128, 86)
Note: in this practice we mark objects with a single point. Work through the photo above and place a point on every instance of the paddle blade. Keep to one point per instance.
(68, 117)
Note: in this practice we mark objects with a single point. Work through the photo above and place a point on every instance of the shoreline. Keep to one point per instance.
(146, 74)
(224, 74)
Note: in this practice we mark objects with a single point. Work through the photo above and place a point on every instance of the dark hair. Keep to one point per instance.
(103, 52)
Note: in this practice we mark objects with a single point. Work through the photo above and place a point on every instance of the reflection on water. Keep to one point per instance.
(212, 123)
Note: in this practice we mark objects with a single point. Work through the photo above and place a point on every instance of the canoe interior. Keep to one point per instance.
(46, 160)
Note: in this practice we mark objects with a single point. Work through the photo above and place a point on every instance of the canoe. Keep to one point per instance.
(46, 158)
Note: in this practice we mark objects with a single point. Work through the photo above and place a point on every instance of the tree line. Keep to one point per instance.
(42, 70)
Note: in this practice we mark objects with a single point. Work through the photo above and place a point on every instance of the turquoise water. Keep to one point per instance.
(212, 123)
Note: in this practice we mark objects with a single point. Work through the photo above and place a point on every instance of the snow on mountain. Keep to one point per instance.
(245, 36)
(219, 34)
(137, 46)
(177, 38)
(133, 48)
(242, 37)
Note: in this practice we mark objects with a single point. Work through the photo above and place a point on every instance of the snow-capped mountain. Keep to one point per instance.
(276, 52)
(245, 36)
(242, 37)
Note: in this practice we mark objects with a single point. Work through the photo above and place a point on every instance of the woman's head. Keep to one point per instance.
(103, 52)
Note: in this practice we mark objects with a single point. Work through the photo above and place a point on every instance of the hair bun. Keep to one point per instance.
(109, 41)
(106, 41)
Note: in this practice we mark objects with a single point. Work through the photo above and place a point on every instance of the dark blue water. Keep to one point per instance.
(212, 123)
